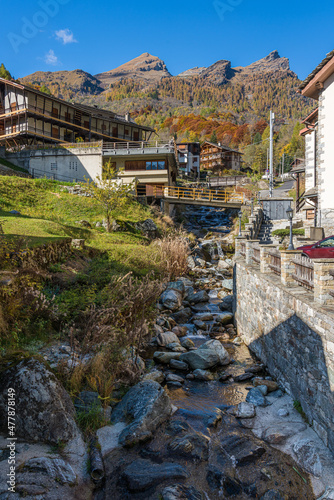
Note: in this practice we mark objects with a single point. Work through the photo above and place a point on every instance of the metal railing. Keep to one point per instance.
(304, 271)
(275, 262)
(139, 145)
(224, 196)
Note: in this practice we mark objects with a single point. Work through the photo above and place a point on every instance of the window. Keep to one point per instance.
(73, 165)
(161, 165)
(148, 165)
(126, 131)
(329, 242)
(154, 165)
(54, 166)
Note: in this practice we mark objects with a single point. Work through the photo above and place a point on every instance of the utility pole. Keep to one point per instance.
(271, 155)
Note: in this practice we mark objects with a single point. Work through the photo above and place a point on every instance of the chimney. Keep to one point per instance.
(127, 116)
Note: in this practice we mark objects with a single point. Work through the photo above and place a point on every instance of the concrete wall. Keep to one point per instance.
(325, 152)
(294, 337)
(66, 164)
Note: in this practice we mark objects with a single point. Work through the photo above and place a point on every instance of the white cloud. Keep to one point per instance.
(66, 36)
(51, 58)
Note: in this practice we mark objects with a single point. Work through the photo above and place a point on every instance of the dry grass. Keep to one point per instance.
(171, 255)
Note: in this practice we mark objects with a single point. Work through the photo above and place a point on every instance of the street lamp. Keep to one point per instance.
(289, 213)
(240, 215)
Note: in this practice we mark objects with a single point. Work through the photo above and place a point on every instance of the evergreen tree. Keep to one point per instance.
(45, 90)
(213, 137)
(4, 73)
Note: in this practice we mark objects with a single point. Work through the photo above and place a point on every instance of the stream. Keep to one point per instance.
(224, 459)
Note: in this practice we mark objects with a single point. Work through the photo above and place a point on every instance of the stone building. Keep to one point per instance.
(319, 85)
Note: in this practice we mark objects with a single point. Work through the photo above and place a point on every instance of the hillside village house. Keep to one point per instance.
(41, 134)
(189, 157)
(319, 133)
(217, 158)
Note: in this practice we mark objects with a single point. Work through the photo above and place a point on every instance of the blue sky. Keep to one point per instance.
(51, 35)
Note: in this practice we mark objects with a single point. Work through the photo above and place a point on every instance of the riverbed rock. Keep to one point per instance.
(108, 437)
(165, 357)
(203, 375)
(223, 318)
(182, 316)
(273, 495)
(171, 377)
(244, 449)
(308, 457)
(171, 299)
(44, 410)
(281, 432)
(223, 265)
(196, 298)
(148, 228)
(200, 324)
(187, 343)
(181, 492)
(256, 397)
(146, 405)
(219, 349)
(54, 468)
(180, 331)
(245, 410)
(178, 365)
(176, 347)
(176, 285)
(155, 375)
(201, 359)
(263, 389)
(271, 384)
(242, 377)
(227, 284)
(143, 474)
(227, 303)
(192, 445)
(203, 316)
(191, 262)
(165, 338)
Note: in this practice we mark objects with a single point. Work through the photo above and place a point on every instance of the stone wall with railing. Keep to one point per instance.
(284, 311)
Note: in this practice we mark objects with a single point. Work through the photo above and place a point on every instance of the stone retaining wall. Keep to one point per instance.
(294, 336)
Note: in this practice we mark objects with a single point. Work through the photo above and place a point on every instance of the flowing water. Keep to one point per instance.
(205, 407)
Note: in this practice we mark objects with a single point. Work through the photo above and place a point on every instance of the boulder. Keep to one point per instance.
(192, 445)
(191, 262)
(176, 285)
(256, 397)
(187, 343)
(223, 318)
(223, 265)
(227, 284)
(180, 331)
(146, 405)
(143, 474)
(201, 359)
(171, 299)
(227, 303)
(155, 375)
(108, 437)
(245, 410)
(243, 376)
(165, 357)
(182, 316)
(203, 316)
(271, 385)
(196, 298)
(308, 457)
(281, 432)
(219, 349)
(179, 491)
(176, 347)
(165, 338)
(203, 375)
(171, 377)
(44, 410)
(54, 468)
(148, 228)
(244, 449)
(178, 365)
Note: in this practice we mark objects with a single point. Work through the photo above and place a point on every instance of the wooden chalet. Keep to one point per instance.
(217, 158)
(28, 116)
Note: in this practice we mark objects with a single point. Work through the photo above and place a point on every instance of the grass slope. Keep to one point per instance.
(48, 213)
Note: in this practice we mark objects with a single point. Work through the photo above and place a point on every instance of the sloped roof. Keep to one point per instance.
(226, 148)
(317, 69)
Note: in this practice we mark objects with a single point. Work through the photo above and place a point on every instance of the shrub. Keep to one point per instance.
(286, 232)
